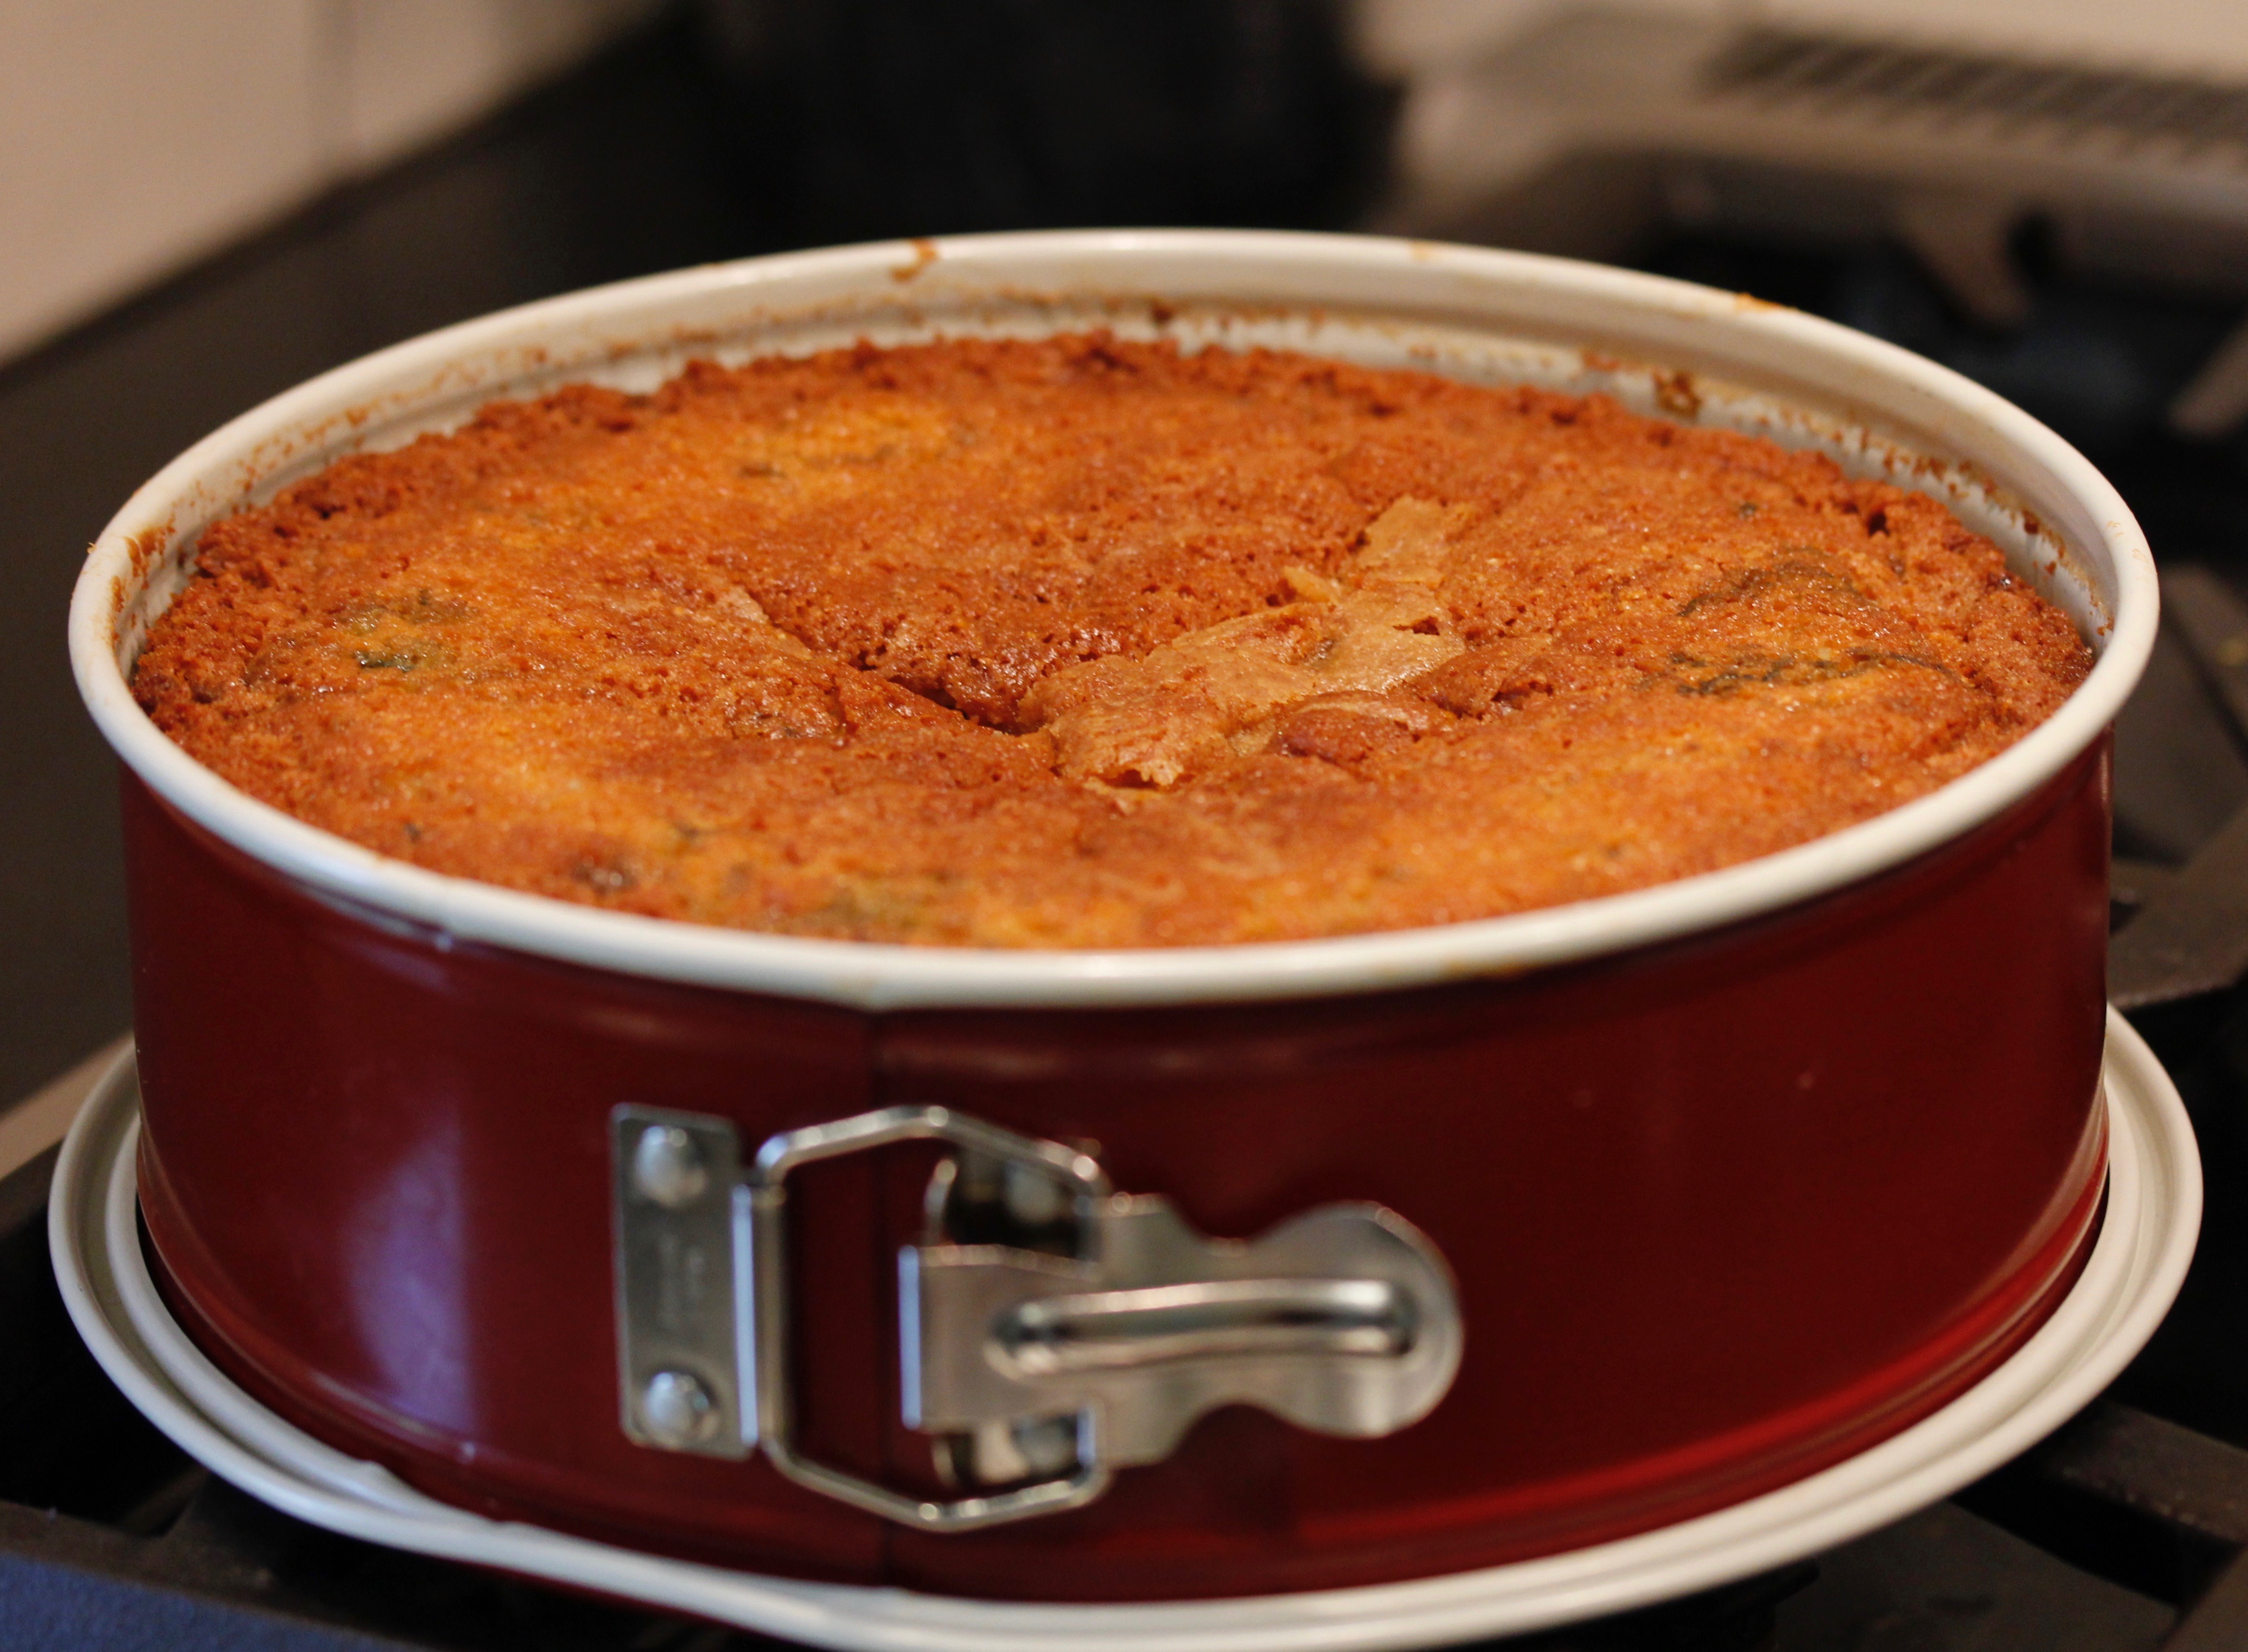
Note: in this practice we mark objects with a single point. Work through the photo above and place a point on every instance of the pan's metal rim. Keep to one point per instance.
(878, 977)
(2137, 1264)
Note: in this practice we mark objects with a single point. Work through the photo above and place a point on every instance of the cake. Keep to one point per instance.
(1087, 642)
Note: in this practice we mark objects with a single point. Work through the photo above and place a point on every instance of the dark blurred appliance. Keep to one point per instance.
(857, 120)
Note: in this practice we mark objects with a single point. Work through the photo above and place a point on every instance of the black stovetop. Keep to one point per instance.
(2127, 1530)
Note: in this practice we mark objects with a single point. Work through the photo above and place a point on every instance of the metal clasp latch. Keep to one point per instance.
(1051, 1330)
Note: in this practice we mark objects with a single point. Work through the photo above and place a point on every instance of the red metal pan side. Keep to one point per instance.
(1722, 1211)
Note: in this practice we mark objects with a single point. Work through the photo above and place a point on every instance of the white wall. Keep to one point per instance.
(136, 135)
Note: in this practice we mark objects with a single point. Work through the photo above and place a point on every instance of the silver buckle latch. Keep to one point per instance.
(1051, 1331)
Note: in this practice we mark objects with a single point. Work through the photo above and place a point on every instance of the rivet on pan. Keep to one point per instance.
(676, 1408)
(668, 1167)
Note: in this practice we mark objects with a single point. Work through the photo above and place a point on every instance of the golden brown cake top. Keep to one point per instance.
(1081, 642)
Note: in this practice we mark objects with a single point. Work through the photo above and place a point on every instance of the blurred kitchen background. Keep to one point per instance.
(203, 201)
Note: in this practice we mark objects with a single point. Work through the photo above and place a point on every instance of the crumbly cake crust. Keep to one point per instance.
(1082, 642)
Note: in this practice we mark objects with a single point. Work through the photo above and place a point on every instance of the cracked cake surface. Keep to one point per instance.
(1081, 642)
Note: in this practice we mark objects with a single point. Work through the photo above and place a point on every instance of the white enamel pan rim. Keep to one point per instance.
(2106, 568)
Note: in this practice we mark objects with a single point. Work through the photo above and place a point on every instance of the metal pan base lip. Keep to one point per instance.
(2136, 1266)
